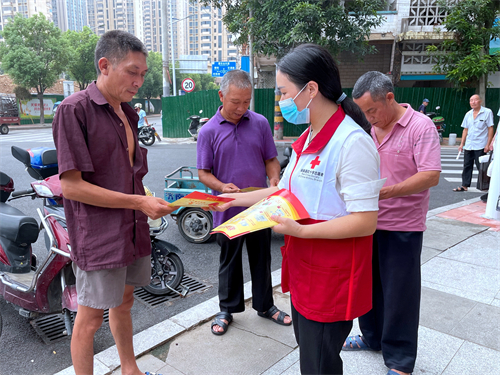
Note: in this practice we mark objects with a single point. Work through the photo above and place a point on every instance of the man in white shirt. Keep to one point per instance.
(476, 138)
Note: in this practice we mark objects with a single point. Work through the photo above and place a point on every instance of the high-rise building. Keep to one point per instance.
(105, 15)
(27, 8)
(70, 14)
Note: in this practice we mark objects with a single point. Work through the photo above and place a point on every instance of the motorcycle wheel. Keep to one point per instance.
(172, 268)
(149, 141)
(195, 225)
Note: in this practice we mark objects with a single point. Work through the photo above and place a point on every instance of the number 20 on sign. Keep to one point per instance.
(188, 84)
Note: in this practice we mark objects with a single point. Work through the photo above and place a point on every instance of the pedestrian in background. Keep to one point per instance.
(142, 115)
(101, 168)
(476, 138)
(410, 154)
(236, 150)
(334, 172)
(493, 196)
(423, 106)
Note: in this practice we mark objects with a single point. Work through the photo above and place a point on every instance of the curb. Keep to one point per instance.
(107, 361)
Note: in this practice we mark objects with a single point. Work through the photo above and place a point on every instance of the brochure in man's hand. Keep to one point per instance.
(282, 203)
(198, 199)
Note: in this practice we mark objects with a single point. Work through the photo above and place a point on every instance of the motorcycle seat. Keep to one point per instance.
(16, 226)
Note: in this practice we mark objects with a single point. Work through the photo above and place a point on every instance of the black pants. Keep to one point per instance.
(392, 324)
(231, 296)
(470, 157)
(320, 344)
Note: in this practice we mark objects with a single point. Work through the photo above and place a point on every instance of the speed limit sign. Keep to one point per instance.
(188, 85)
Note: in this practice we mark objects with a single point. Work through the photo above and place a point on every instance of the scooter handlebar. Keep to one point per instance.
(19, 193)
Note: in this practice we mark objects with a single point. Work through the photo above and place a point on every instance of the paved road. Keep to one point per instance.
(201, 261)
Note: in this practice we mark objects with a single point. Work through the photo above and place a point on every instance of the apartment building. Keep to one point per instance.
(105, 15)
(69, 14)
(28, 8)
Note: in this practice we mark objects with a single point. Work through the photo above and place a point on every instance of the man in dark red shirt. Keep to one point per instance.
(101, 167)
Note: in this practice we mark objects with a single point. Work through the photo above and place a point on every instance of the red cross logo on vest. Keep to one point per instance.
(315, 162)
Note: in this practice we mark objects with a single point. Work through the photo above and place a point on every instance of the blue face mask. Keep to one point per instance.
(292, 114)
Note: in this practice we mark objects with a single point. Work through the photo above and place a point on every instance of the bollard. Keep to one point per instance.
(452, 139)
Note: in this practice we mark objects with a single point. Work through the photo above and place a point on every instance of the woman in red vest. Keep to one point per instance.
(334, 172)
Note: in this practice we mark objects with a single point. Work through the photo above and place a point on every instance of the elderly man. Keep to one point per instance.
(408, 144)
(236, 150)
(101, 167)
(476, 138)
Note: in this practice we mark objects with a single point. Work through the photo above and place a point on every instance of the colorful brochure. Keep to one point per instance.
(199, 199)
(282, 203)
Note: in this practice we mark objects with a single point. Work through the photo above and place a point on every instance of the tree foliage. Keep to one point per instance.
(153, 81)
(202, 82)
(81, 47)
(33, 53)
(465, 59)
(278, 26)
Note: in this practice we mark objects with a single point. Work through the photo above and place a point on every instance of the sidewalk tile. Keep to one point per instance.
(443, 233)
(480, 326)
(284, 364)
(443, 311)
(474, 359)
(293, 370)
(168, 370)
(483, 250)
(197, 314)
(236, 352)
(465, 280)
(251, 322)
(435, 351)
(428, 254)
(145, 363)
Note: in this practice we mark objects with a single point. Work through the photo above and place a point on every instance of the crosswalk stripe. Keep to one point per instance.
(455, 171)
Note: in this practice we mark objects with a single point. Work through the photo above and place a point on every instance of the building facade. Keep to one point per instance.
(27, 8)
(70, 14)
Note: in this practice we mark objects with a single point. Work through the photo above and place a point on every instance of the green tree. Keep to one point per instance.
(202, 82)
(153, 81)
(278, 26)
(465, 59)
(81, 48)
(33, 53)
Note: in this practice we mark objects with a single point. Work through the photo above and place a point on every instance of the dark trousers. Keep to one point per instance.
(231, 297)
(471, 157)
(320, 344)
(392, 324)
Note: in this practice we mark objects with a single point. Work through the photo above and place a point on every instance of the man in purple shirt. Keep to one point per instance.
(236, 150)
(101, 167)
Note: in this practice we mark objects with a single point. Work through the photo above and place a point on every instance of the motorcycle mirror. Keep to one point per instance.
(438, 108)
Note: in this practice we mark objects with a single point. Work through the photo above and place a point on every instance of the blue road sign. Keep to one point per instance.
(219, 68)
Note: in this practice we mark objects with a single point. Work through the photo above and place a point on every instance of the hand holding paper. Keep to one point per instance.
(282, 203)
(459, 153)
(198, 199)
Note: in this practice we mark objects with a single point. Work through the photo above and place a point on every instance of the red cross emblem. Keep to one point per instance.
(315, 162)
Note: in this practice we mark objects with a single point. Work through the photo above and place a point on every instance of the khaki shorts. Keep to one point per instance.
(104, 289)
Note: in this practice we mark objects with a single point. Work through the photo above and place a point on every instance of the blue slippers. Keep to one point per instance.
(355, 343)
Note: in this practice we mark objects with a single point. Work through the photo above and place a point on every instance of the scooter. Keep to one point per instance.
(196, 123)
(438, 122)
(49, 288)
(147, 134)
(287, 153)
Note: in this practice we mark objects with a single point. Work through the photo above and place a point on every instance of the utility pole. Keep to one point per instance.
(164, 47)
(174, 92)
(250, 52)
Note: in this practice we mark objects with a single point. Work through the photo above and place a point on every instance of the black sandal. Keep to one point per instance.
(460, 188)
(218, 322)
(273, 310)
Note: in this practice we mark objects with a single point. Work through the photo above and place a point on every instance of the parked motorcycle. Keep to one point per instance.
(147, 134)
(438, 122)
(196, 123)
(287, 153)
(50, 287)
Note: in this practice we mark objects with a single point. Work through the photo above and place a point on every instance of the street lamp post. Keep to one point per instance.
(164, 49)
(172, 49)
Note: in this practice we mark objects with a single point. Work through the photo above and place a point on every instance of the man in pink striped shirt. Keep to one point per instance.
(410, 159)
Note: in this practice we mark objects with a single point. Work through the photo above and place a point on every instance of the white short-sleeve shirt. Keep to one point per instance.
(477, 128)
